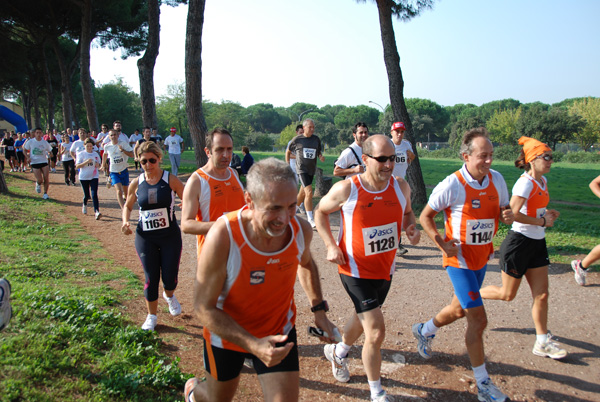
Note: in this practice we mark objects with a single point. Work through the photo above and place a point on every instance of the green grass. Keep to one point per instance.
(68, 340)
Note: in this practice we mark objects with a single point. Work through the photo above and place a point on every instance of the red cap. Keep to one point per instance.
(398, 126)
(173, 130)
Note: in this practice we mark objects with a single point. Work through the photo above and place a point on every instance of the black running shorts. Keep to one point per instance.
(518, 253)
(366, 294)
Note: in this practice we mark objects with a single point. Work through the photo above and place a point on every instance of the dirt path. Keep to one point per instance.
(420, 288)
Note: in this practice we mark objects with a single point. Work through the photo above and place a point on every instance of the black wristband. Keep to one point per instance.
(321, 306)
(544, 224)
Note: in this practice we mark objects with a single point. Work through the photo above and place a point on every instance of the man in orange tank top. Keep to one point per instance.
(245, 286)
(212, 190)
(374, 207)
(473, 199)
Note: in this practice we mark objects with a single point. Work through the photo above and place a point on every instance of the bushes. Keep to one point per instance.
(581, 157)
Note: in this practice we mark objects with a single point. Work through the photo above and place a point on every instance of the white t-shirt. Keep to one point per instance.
(347, 158)
(79, 146)
(118, 160)
(66, 156)
(38, 150)
(134, 138)
(100, 138)
(122, 138)
(174, 143)
(402, 158)
(523, 188)
(90, 171)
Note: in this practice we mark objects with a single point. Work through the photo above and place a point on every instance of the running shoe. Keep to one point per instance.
(67, 183)
(301, 209)
(188, 392)
(174, 306)
(339, 366)
(108, 183)
(312, 223)
(549, 349)
(424, 345)
(45, 196)
(38, 188)
(580, 273)
(84, 209)
(5, 307)
(401, 250)
(488, 392)
(97, 215)
(382, 397)
(150, 323)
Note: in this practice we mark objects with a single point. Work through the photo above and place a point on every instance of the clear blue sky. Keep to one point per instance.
(330, 52)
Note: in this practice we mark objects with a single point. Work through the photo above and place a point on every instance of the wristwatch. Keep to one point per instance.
(321, 306)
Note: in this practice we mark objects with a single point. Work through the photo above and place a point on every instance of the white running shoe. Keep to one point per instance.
(45, 196)
(5, 307)
(549, 349)
(580, 273)
(84, 209)
(488, 392)
(424, 344)
(339, 366)
(150, 323)
(97, 215)
(174, 306)
(312, 223)
(38, 188)
(382, 397)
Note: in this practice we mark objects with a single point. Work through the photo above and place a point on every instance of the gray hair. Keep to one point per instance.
(466, 145)
(306, 121)
(265, 171)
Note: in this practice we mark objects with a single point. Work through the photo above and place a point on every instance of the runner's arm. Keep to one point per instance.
(449, 248)
(332, 202)
(409, 222)
(595, 186)
(288, 154)
(129, 202)
(176, 185)
(191, 204)
(517, 202)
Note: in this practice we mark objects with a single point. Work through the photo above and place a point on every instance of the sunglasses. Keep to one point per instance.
(151, 160)
(547, 158)
(383, 158)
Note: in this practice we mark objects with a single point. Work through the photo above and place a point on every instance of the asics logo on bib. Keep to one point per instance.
(151, 214)
(480, 225)
(378, 233)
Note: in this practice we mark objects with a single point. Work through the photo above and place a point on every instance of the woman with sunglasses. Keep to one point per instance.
(523, 252)
(158, 238)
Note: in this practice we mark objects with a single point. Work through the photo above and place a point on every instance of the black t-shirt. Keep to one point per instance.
(306, 149)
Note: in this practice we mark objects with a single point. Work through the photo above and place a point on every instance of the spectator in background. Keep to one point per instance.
(157, 138)
(236, 163)
(174, 144)
(350, 161)
(247, 161)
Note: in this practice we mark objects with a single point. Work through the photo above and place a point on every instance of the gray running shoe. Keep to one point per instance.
(382, 397)
(488, 392)
(5, 307)
(38, 188)
(401, 250)
(424, 345)
(580, 273)
(549, 349)
(339, 366)
(84, 209)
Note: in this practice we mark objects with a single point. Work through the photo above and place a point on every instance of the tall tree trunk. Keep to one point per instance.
(65, 85)
(146, 65)
(37, 117)
(396, 87)
(193, 79)
(85, 42)
(49, 89)
(26, 108)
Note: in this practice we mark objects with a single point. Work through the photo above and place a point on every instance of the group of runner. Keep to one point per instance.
(251, 245)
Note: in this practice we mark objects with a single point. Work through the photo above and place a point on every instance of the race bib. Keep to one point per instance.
(480, 231)
(309, 153)
(154, 219)
(380, 239)
(541, 212)
(401, 158)
(118, 160)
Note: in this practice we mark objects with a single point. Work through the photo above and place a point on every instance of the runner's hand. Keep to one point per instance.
(413, 234)
(551, 215)
(321, 321)
(450, 248)
(126, 229)
(506, 216)
(335, 255)
(270, 354)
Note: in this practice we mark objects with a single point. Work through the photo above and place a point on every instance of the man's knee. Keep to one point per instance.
(477, 319)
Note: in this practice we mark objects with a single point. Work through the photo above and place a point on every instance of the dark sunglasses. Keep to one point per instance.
(383, 158)
(546, 157)
(151, 160)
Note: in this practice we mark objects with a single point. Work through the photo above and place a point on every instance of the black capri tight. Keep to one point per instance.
(160, 257)
(69, 167)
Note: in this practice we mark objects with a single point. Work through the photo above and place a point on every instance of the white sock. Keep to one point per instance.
(542, 339)
(376, 388)
(341, 350)
(481, 373)
(310, 215)
(429, 328)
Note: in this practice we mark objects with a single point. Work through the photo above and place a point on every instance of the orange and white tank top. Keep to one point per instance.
(536, 200)
(474, 223)
(259, 289)
(217, 197)
(369, 230)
